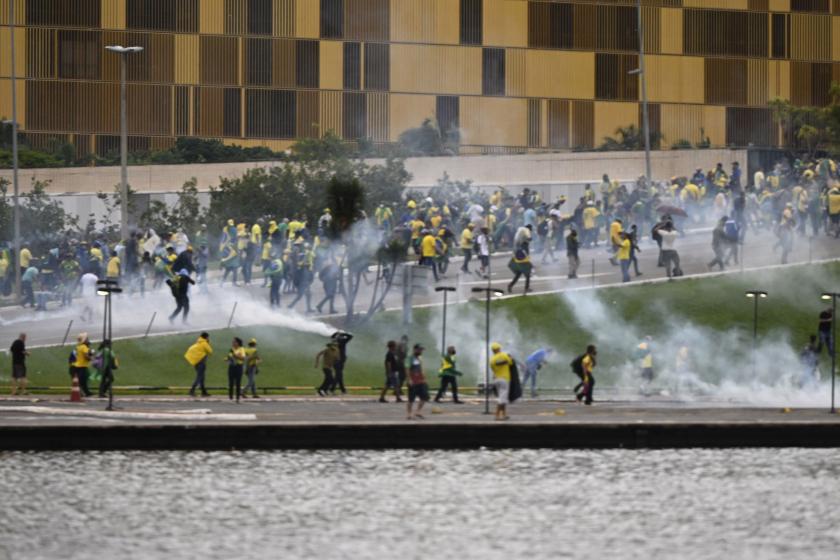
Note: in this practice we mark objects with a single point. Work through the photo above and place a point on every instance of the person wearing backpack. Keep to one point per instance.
(180, 286)
(583, 367)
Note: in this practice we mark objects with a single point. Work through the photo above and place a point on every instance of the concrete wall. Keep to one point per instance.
(514, 170)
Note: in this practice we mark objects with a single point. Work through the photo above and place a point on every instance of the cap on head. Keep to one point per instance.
(252, 342)
(495, 347)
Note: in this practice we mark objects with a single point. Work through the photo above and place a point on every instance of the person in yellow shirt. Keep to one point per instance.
(196, 356)
(25, 258)
(616, 229)
(252, 362)
(265, 258)
(113, 269)
(583, 366)
(81, 363)
(590, 225)
(428, 252)
(623, 255)
(644, 353)
(416, 226)
(236, 361)
(500, 363)
(467, 240)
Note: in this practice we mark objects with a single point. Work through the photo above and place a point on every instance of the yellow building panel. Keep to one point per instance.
(409, 111)
(714, 124)
(835, 39)
(283, 15)
(20, 12)
(717, 4)
(675, 79)
(671, 30)
(505, 23)
(332, 65)
(330, 112)
(515, 72)
(494, 121)
(611, 115)
(6, 101)
(778, 79)
(211, 17)
(186, 59)
(757, 81)
(560, 74)
(436, 69)
(5, 52)
(113, 14)
(810, 37)
(779, 5)
(307, 19)
(425, 21)
(681, 122)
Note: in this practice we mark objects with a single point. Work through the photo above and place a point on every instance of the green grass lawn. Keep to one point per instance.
(621, 317)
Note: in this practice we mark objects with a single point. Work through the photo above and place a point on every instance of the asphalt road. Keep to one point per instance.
(248, 305)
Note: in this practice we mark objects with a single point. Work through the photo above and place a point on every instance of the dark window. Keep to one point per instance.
(306, 64)
(471, 22)
(377, 67)
(493, 71)
(332, 19)
(232, 112)
(354, 115)
(612, 80)
(79, 54)
(823, 6)
(270, 114)
(781, 36)
(720, 33)
(258, 62)
(448, 116)
(162, 15)
(182, 111)
(534, 122)
(617, 28)
(745, 126)
(550, 26)
(352, 66)
(820, 84)
(63, 13)
(259, 17)
(726, 81)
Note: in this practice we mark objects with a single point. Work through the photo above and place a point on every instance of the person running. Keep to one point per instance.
(644, 353)
(391, 372)
(718, 244)
(196, 356)
(181, 291)
(448, 376)
(623, 255)
(500, 363)
(533, 364)
(467, 241)
(327, 358)
(634, 248)
(418, 388)
(252, 362)
(235, 360)
(583, 366)
(520, 265)
(428, 252)
(572, 246)
(341, 339)
(82, 363)
(19, 354)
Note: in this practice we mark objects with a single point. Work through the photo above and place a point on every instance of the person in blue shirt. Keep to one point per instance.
(533, 364)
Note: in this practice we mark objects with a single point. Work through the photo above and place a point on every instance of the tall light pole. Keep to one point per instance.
(488, 292)
(123, 52)
(640, 71)
(833, 297)
(755, 295)
(16, 200)
(445, 290)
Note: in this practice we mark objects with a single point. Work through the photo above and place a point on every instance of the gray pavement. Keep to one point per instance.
(133, 315)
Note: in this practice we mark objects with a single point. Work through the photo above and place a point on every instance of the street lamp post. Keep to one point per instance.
(123, 52)
(445, 290)
(16, 260)
(106, 288)
(643, 78)
(755, 295)
(488, 292)
(833, 297)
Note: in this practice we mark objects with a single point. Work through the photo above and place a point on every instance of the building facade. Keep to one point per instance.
(510, 75)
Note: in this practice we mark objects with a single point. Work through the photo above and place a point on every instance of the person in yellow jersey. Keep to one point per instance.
(96, 260)
(235, 360)
(583, 366)
(448, 376)
(500, 363)
(644, 354)
(467, 242)
(616, 229)
(113, 268)
(623, 255)
(81, 363)
(265, 259)
(196, 356)
(25, 258)
(834, 209)
(416, 225)
(590, 225)
(428, 252)
(252, 362)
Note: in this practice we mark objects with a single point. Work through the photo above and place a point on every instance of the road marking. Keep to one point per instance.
(125, 415)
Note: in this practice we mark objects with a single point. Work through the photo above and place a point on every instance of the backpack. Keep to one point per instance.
(730, 230)
(654, 233)
(577, 364)
(542, 228)
(71, 359)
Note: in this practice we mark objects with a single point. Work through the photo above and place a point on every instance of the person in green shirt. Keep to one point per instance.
(252, 362)
(448, 376)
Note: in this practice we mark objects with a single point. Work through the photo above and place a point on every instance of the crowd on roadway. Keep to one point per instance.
(286, 255)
